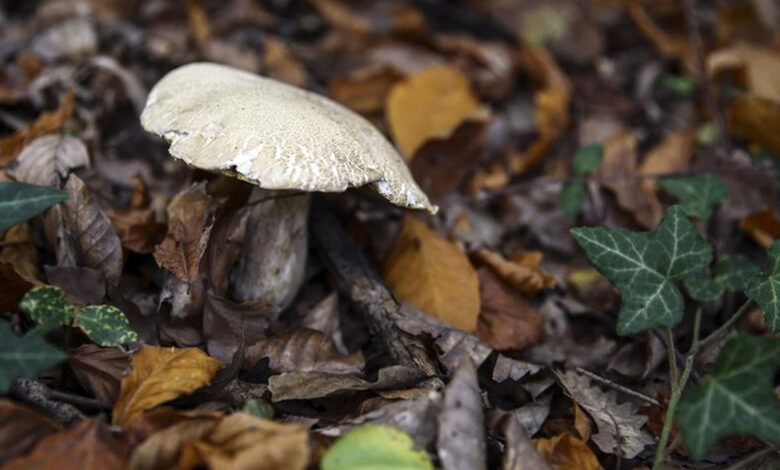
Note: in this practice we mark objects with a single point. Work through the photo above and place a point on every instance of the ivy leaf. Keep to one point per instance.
(697, 193)
(20, 201)
(106, 325)
(765, 289)
(587, 159)
(734, 272)
(644, 265)
(702, 287)
(373, 447)
(571, 198)
(23, 356)
(736, 399)
(48, 306)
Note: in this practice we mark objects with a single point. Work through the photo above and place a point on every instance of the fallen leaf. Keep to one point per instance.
(21, 428)
(461, 436)
(756, 120)
(198, 22)
(160, 374)
(225, 323)
(618, 173)
(620, 428)
(20, 252)
(14, 287)
(763, 226)
(374, 447)
(99, 370)
(190, 220)
(137, 224)
(582, 423)
(672, 155)
(668, 45)
(225, 248)
(566, 452)
(507, 320)
(232, 54)
(281, 64)
(47, 123)
(431, 103)
(89, 445)
(48, 160)
(364, 90)
(525, 276)
(759, 65)
(378, 17)
(432, 274)
(85, 286)
(92, 235)
(521, 454)
(167, 431)
(324, 317)
(304, 350)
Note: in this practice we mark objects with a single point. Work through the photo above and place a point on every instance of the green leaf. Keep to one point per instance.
(644, 265)
(738, 398)
(571, 198)
(106, 325)
(697, 194)
(587, 159)
(48, 306)
(23, 356)
(702, 288)
(259, 407)
(734, 272)
(373, 447)
(20, 201)
(765, 289)
(680, 84)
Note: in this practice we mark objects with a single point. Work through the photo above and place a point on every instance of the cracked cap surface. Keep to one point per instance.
(277, 136)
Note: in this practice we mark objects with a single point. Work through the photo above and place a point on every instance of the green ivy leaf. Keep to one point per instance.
(738, 398)
(373, 447)
(702, 288)
(23, 356)
(21, 201)
(765, 289)
(106, 325)
(644, 265)
(734, 272)
(697, 194)
(48, 306)
(587, 159)
(571, 198)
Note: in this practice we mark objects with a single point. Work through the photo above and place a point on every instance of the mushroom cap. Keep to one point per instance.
(274, 135)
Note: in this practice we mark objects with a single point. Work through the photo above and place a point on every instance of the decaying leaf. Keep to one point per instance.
(137, 225)
(566, 452)
(89, 445)
(620, 428)
(763, 226)
(521, 454)
(756, 120)
(99, 370)
(304, 350)
(375, 447)
(20, 253)
(461, 441)
(225, 323)
(48, 160)
(432, 274)
(160, 374)
(21, 428)
(523, 272)
(14, 287)
(190, 220)
(759, 65)
(430, 103)
(281, 64)
(364, 90)
(506, 320)
(672, 155)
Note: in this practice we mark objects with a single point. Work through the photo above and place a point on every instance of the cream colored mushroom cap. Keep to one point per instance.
(277, 136)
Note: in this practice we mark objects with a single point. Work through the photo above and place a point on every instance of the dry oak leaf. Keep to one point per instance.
(434, 275)
(190, 220)
(523, 272)
(160, 374)
(47, 123)
(431, 103)
(89, 445)
(566, 452)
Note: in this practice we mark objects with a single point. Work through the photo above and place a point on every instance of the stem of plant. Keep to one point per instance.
(724, 328)
(678, 385)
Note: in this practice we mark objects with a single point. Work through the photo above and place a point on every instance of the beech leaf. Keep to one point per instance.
(644, 265)
(434, 275)
(737, 398)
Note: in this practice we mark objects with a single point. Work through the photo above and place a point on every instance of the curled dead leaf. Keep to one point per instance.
(99, 370)
(566, 452)
(523, 272)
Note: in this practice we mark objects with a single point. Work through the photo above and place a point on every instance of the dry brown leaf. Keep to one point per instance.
(566, 452)
(20, 252)
(523, 272)
(507, 320)
(672, 155)
(89, 445)
(190, 220)
(304, 350)
(461, 436)
(137, 225)
(281, 64)
(47, 123)
(668, 45)
(434, 275)
(160, 374)
(378, 17)
(198, 21)
(763, 226)
(617, 172)
(14, 287)
(756, 120)
(225, 323)
(99, 370)
(364, 90)
(21, 428)
(48, 160)
(428, 104)
(582, 423)
(91, 234)
(225, 246)
(759, 65)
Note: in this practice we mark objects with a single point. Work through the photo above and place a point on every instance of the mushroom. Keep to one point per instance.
(288, 142)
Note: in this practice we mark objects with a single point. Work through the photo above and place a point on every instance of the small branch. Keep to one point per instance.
(671, 351)
(617, 386)
(715, 335)
(39, 396)
(754, 457)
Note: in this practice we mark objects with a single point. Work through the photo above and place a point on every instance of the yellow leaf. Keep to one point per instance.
(566, 452)
(434, 275)
(430, 103)
(161, 374)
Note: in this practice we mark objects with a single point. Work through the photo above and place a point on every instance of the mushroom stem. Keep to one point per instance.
(273, 258)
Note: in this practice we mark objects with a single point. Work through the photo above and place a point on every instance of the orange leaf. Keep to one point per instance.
(434, 275)
(763, 226)
(755, 119)
(672, 155)
(430, 103)
(523, 274)
(161, 374)
(566, 452)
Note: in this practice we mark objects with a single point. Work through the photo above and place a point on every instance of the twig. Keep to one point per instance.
(83, 403)
(724, 328)
(754, 457)
(671, 351)
(39, 396)
(617, 386)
